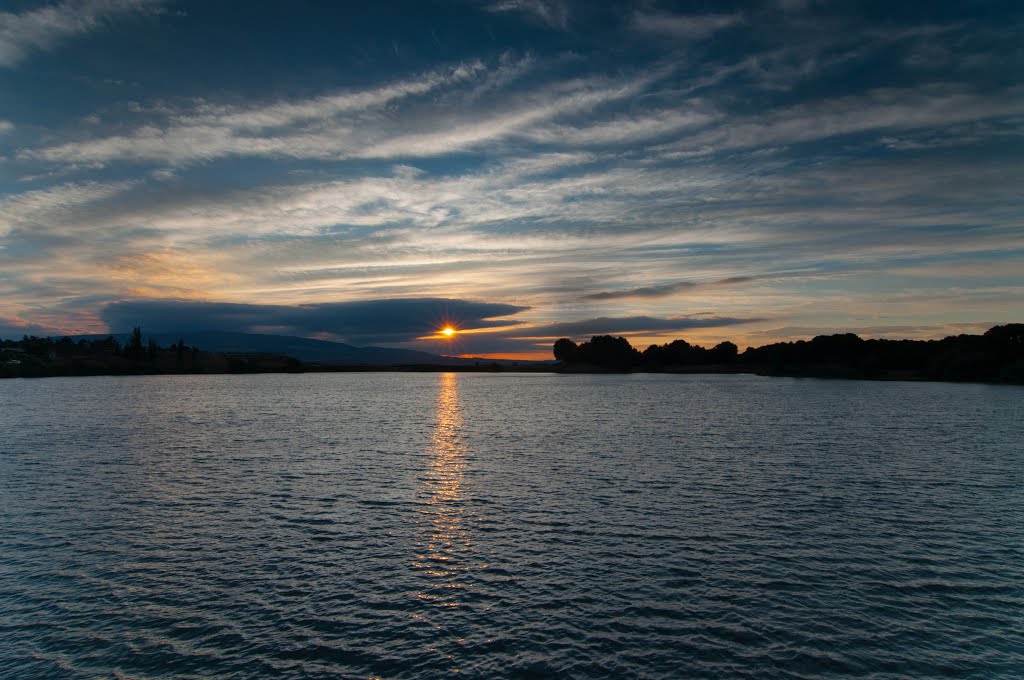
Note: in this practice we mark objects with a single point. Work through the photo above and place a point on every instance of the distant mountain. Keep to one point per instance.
(303, 349)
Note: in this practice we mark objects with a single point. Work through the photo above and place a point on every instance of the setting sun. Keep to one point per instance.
(447, 331)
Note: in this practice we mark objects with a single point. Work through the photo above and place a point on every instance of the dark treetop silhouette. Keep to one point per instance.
(996, 356)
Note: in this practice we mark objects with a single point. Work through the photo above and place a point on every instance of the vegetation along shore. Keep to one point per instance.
(996, 356)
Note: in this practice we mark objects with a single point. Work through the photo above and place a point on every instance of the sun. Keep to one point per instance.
(447, 331)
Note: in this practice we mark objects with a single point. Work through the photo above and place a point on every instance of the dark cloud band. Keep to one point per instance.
(633, 324)
(369, 321)
(665, 290)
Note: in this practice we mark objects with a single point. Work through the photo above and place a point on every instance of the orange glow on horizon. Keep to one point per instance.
(511, 356)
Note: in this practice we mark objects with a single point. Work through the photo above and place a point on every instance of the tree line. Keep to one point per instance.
(34, 357)
(995, 356)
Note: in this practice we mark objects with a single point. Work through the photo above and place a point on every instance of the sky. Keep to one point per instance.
(521, 169)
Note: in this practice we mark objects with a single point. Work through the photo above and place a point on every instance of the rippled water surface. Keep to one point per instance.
(415, 525)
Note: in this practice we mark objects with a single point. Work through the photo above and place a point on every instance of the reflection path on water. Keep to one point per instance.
(443, 555)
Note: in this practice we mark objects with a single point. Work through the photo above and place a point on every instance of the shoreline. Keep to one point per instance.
(527, 369)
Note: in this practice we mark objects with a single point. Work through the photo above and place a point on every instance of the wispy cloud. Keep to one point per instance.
(879, 110)
(683, 26)
(42, 29)
(665, 290)
(348, 125)
(624, 129)
(324, 108)
(330, 126)
(554, 13)
(55, 205)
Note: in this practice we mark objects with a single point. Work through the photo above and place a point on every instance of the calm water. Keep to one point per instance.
(397, 525)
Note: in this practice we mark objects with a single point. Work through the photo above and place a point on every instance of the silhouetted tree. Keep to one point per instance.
(676, 353)
(1011, 335)
(609, 352)
(724, 353)
(134, 348)
(566, 350)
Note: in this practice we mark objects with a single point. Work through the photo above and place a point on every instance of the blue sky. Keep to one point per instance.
(526, 169)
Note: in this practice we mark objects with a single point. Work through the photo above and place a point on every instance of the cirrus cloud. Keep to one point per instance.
(41, 29)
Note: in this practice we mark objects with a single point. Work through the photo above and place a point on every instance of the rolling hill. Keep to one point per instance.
(304, 349)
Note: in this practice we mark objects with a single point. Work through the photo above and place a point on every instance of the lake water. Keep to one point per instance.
(415, 525)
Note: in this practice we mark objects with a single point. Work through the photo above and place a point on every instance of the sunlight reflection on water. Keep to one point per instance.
(446, 541)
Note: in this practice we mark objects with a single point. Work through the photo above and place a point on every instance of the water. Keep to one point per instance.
(415, 525)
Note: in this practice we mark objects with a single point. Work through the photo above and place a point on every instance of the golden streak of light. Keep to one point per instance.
(446, 541)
